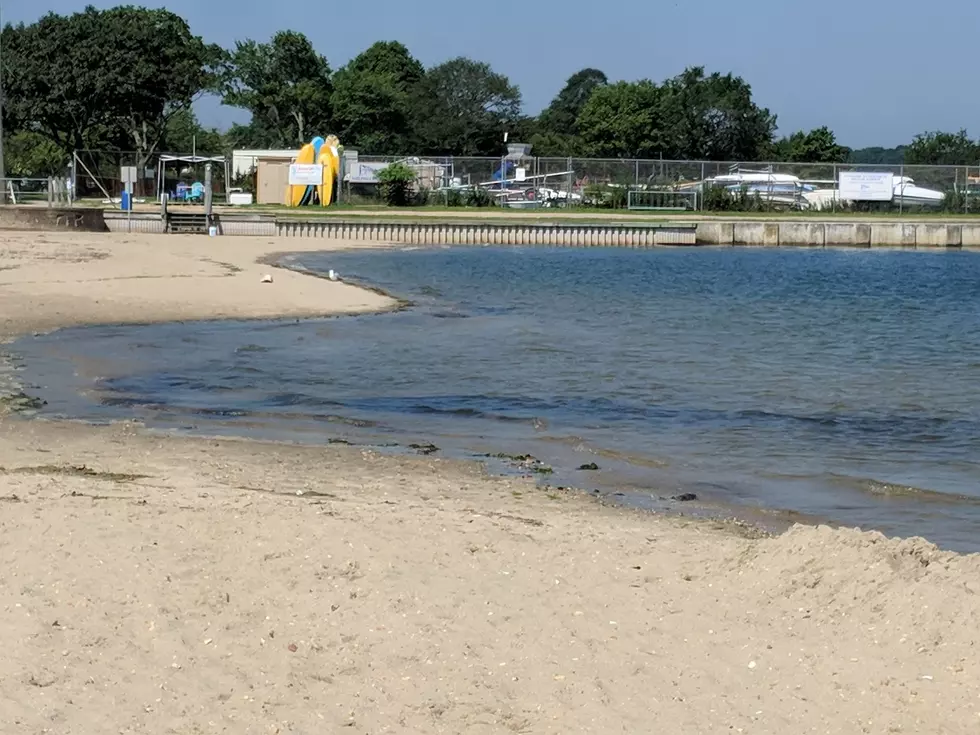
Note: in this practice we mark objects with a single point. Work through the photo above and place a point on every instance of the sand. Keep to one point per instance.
(163, 584)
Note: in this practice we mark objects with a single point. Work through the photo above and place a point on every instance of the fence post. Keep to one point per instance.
(901, 194)
(966, 190)
(50, 192)
(571, 183)
(702, 187)
(966, 183)
(835, 192)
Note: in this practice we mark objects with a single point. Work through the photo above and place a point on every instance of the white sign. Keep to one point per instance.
(867, 186)
(306, 174)
(127, 174)
(521, 174)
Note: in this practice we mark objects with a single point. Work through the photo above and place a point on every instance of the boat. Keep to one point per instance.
(779, 190)
(791, 192)
(905, 193)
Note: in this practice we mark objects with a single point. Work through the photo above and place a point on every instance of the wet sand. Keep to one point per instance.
(162, 584)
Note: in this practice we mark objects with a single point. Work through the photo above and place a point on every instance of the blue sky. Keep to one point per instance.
(875, 71)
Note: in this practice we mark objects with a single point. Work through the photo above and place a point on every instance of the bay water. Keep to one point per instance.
(781, 384)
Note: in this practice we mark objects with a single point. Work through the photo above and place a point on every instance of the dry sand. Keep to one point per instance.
(159, 584)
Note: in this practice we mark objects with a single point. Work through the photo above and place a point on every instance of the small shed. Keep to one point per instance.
(272, 179)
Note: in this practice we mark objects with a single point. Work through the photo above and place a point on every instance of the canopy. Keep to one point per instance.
(192, 159)
(166, 158)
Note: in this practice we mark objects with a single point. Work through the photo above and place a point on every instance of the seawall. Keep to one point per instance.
(930, 233)
(840, 233)
(13, 217)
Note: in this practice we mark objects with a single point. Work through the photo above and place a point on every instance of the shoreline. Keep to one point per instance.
(740, 521)
(165, 582)
(745, 521)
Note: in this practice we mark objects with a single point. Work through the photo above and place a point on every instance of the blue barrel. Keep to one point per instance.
(127, 201)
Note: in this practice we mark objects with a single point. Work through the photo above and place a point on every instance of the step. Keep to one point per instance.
(186, 222)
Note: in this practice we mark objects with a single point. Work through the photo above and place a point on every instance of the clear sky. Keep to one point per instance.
(876, 71)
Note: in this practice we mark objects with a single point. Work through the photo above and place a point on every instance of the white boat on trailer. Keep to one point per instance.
(905, 193)
(779, 190)
(792, 192)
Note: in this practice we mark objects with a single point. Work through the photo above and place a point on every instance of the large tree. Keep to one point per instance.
(464, 107)
(373, 99)
(714, 117)
(112, 75)
(816, 146)
(555, 132)
(691, 116)
(285, 84)
(561, 114)
(878, 155)
(32, 155)
(937, 148)
(184, 134)
(623, 120)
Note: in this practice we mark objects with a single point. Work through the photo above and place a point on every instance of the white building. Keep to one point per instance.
(243, 161)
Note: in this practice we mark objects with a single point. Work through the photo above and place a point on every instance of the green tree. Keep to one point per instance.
(714, 117)
(878, 155)
(938, 148)
(372, 99)
(816, 146)
(463, 107)
(555, 144)
(33, 155)
(285, 84)
(555, 132)
(185, 134)
(561, 115)
(396, 182)
(623, 120)
(253, 134)
(116, 74)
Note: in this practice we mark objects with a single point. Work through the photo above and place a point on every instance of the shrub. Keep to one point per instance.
(396, 182)
(477, 197)
(723, 199)
(607, 196)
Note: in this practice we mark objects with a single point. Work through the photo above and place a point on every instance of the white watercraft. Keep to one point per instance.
(790, 191)
(781, 190)
(905, 193)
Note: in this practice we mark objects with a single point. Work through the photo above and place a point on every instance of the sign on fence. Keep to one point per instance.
(867, 186)
(306, 174)
(127, 174)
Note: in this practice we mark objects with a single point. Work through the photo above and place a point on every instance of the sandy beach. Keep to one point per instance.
(153, 583)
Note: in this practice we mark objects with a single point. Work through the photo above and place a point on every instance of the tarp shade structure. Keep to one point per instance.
(165, 159)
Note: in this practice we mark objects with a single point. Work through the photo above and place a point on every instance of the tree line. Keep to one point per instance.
(125, 79)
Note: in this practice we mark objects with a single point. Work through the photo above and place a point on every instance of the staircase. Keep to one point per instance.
(187, 222)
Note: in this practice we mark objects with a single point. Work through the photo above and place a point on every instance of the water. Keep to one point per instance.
(838, 384)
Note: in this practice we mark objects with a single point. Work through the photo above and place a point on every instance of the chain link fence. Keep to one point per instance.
(98, 176)
(33, 191)
(574, 182)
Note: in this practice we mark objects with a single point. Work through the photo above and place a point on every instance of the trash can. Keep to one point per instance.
(126, 201)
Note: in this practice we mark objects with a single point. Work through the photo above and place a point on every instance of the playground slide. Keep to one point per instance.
(329, 174)
(302, 195)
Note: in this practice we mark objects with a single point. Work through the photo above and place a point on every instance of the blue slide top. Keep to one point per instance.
(317, 145)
